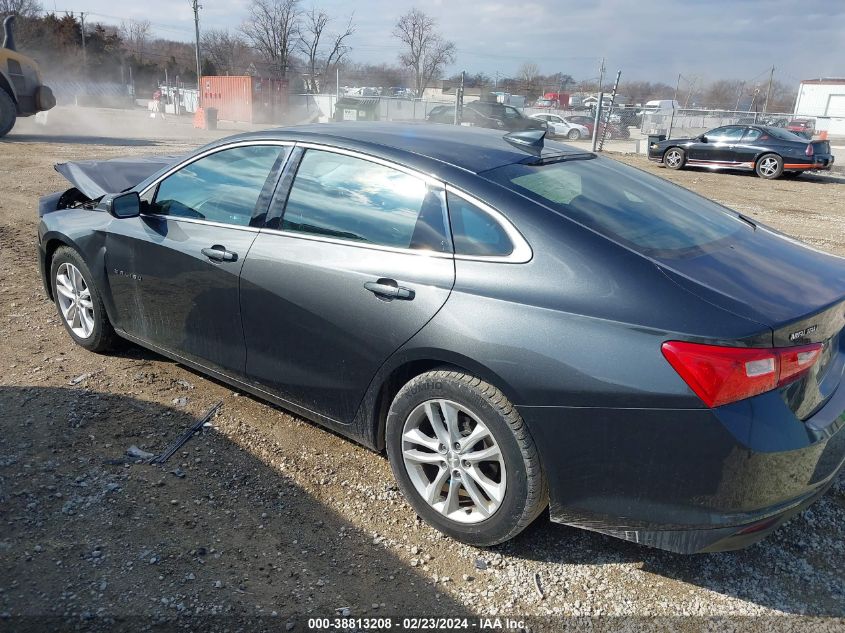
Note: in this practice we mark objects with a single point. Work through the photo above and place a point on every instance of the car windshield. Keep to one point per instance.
(785, 135)
(639, 210)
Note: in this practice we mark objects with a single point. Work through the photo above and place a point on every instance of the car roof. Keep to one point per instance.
(470, 148)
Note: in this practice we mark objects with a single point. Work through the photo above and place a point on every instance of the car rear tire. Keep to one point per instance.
(675, 158)
(8, 113)
(769, 166)
(573, 135)
(464, 459)
(79, 303)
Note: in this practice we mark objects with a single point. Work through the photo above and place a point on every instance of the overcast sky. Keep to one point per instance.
(646, 39)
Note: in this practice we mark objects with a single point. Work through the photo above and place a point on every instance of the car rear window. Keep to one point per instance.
(641, 211)
(785, 135)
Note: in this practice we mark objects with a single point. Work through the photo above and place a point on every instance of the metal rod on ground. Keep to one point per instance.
(597, 119)
(609, 110)
(180, 441)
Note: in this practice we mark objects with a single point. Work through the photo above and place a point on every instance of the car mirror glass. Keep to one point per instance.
(123, 205)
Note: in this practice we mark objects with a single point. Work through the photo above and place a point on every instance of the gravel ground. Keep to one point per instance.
(263, 519)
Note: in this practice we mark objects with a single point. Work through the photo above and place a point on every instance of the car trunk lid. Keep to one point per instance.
(793, 289)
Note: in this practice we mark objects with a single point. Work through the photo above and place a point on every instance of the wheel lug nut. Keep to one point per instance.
(457, 446)
(441, 448)
(465, 464)
(456, 473)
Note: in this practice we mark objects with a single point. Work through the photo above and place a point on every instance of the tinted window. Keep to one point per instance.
(222, 187)
(476, 232)
(354, 199)
(752, 135)
(511, 113)
(639, 210)
(786, 135)
(725, 134)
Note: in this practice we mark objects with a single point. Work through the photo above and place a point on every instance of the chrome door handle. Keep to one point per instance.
(219, 254)
(389, 289)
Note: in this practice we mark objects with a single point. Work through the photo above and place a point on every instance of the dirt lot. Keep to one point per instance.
(263, 519)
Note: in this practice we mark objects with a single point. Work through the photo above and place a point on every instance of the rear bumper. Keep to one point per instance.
(687, 480)
(820, 162)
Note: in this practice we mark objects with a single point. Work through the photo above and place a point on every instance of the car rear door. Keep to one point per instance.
(174, 271)
(357, 262)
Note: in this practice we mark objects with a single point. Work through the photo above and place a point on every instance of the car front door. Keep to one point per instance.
(716, 144)
(360, 261)
(748, 147)
(174, 271)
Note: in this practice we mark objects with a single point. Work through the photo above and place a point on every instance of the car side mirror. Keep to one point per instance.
(702, 138)
(122, 205)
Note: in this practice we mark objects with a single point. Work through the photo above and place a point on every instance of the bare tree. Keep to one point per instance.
(426, 52)
(135, 36)
(273, 28)
(24, 8)
(528, 74)
(228, 52)
(320, 61)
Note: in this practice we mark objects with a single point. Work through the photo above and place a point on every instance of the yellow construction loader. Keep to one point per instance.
(21, 90)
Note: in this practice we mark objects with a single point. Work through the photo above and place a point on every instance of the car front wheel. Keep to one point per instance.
(674, 158)
(769, 166)
(463, 458)
(574, 135)
(79, 303)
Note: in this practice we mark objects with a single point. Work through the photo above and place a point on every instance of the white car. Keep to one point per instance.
(558, 126)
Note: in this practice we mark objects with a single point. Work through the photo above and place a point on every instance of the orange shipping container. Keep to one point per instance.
(245, 98)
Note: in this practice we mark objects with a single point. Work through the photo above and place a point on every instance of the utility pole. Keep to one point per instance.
(84, 52)
(677, 87)
(769, 90)
(196, 7)
(459, 100)
(601, 74)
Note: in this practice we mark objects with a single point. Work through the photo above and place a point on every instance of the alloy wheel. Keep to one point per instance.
(75, 302)
(768, 166)
(672, 158)
(453, 461)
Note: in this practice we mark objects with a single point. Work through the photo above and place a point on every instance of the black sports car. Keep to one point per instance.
(770, 151)
(519, 325)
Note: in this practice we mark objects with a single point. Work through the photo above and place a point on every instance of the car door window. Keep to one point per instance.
(752, 135)
(475, 232)
(344, 197)
(222, 187)
(511, 113)
(726, 134)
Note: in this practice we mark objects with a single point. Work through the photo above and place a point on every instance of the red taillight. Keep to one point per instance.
(719, 375)
(809, 150)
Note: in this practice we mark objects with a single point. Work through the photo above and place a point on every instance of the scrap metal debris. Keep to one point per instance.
(189, 432)
(137, 455)
(537, 585)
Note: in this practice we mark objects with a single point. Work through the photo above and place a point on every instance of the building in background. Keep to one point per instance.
(824, 101)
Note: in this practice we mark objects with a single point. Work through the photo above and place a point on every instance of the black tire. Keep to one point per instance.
(769, 166)
(675, 158)
(8, 113)
(102, 337)
(526, 492)
(573, 135)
